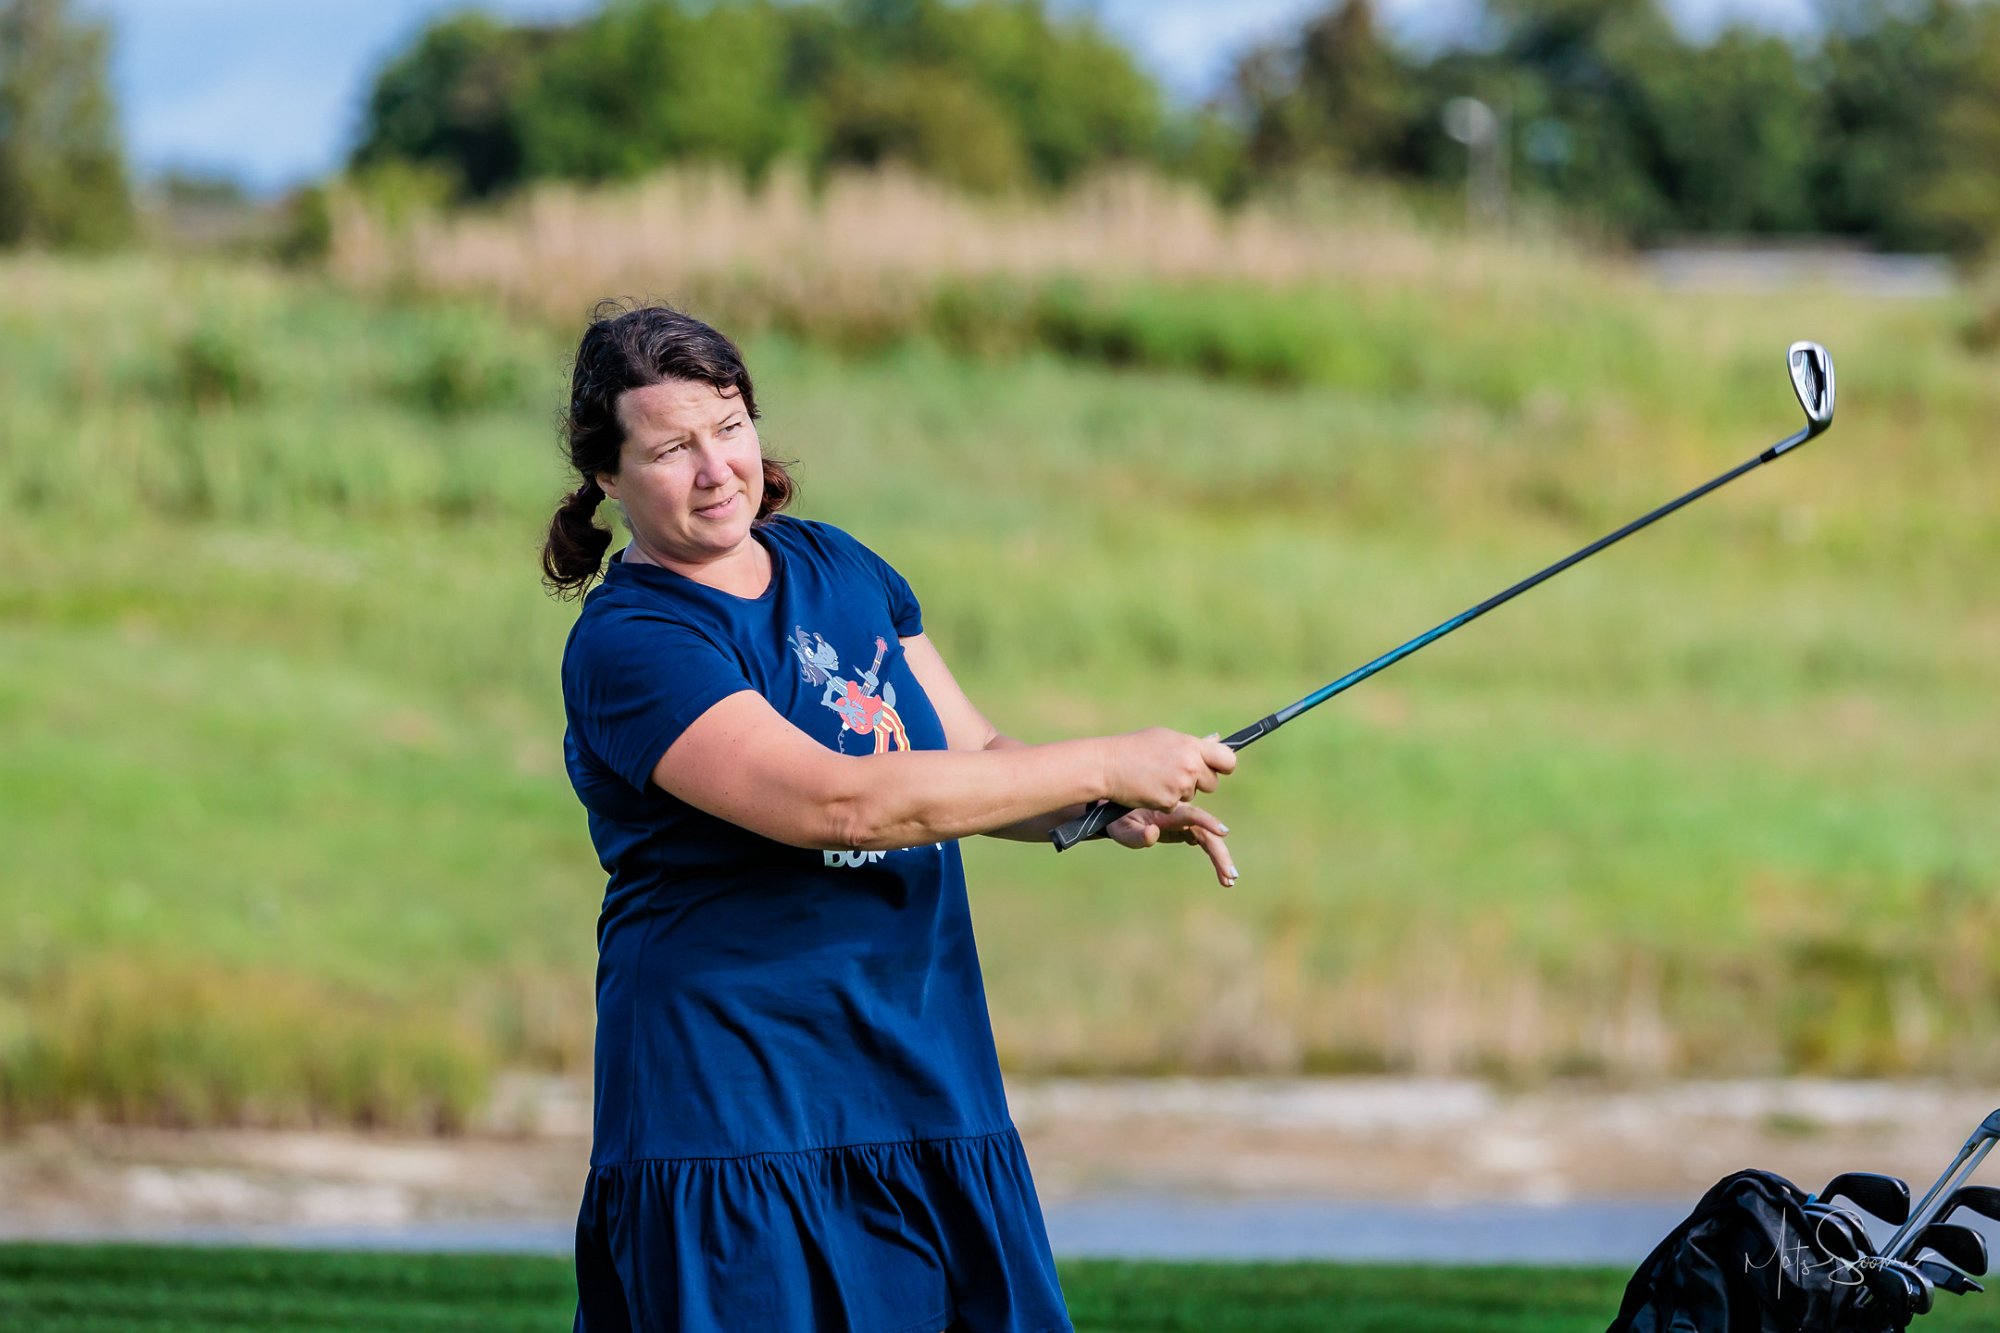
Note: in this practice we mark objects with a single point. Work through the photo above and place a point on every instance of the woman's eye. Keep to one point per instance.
(730, 429)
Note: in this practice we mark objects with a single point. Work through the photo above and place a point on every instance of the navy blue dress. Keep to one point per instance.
(799, 1121)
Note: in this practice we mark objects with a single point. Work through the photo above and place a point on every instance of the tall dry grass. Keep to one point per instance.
(880, 241)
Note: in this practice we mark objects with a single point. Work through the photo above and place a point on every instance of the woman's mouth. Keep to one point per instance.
(721, 509)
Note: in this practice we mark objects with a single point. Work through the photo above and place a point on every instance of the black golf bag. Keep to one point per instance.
(1750, 1259)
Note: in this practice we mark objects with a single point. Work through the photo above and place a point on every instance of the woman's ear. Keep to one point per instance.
(608, 484)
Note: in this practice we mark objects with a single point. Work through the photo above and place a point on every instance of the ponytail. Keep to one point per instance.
(574, 552)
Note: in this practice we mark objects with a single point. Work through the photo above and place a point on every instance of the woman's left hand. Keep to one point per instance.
(1183, 823)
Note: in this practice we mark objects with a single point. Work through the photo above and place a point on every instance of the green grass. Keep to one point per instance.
(82, 1289)
(285, 836)
(93, 1288)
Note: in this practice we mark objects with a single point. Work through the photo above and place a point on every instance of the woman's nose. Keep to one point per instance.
(713, 467)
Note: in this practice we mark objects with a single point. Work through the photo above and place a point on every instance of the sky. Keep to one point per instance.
(270, 93)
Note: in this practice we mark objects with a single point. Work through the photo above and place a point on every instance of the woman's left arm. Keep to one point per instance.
(966, 728)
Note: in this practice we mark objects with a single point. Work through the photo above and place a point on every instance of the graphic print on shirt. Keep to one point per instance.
(861, 709)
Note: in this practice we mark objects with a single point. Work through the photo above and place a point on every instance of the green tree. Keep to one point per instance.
(1912, 92)
(62, 174)
(924, 117)
(1582, 64)
(450, 102)
(644, 82)
(1065, 93)
(1338, 96)
(1735, 129)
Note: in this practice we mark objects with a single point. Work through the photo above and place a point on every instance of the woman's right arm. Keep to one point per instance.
(744, 762)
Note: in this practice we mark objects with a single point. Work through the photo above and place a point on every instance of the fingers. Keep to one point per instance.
(1219, 757)
(1189, 823)
(1136, 830)
(1218, 855)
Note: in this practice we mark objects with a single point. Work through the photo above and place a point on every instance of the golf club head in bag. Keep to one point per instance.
(1981, 1199)
(1877, 1195)
(1946, 1278)
(1895, 1292)
(1962, 1247)
(1837, 1232)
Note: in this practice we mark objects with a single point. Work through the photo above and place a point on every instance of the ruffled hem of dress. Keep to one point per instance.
(859, 1238)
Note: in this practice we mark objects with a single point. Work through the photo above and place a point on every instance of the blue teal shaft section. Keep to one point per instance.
(1395, 655)
(1092, 822)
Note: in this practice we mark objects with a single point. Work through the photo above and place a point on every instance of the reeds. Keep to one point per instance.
(875, 248)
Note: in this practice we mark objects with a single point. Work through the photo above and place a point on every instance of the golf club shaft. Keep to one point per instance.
(1092, 822)
(1969, 1157)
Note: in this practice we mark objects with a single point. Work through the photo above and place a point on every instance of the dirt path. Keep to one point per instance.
(1380, 1140)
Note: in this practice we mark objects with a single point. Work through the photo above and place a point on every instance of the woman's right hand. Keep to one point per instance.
(1157, 769)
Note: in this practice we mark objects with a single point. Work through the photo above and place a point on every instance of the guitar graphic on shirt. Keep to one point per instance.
(860, 708)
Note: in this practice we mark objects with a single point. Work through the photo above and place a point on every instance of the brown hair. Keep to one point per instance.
(629, 347)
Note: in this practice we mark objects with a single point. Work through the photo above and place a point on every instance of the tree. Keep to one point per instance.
(645, 82)
(62, 174)
(449, 103)
(988, 94)
(1338, 96)
(1913, 110)
(1736, 131)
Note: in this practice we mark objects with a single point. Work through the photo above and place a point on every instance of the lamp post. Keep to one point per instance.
(1483, 131)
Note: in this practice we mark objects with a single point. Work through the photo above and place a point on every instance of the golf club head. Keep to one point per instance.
(1981, 1199)
(1956, 1245)
(1812, 381)
(1881, 1196)
(1898, 1290)
(1946, 1278)
(1836, 1233)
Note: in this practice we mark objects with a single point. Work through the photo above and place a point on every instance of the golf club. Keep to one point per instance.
(1812, 380)
(1957, 1245)
(1836, 1232)
(1981, 1199)
(1899, 1289)
(1946, 1278)
(1880, 1196)
(1977, 1145)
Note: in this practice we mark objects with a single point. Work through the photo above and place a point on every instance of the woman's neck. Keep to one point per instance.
(742, 572)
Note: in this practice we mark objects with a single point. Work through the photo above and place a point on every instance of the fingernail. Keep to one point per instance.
(1213, 736)
(1224, 828)
(1233, 875)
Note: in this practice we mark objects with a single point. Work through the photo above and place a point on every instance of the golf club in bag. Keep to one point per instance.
(1812, 380)
(1759, 1255)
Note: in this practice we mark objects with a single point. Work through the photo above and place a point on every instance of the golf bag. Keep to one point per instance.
(1748, 1260)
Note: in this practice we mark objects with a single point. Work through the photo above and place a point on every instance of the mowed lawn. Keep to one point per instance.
(285, 835)
(98, 1289)
(134, 1289)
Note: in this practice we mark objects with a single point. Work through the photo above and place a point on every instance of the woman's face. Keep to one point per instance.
(690, 473)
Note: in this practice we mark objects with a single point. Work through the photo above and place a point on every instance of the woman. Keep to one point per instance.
(799, 1120)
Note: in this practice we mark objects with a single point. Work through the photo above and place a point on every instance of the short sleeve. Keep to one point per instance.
(904, 611)
(634, 683)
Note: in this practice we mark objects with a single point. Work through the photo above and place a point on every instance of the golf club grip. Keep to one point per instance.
(1090, 824)
(1100, 816)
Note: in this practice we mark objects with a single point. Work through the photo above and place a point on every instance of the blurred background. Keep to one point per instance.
(1183, 356)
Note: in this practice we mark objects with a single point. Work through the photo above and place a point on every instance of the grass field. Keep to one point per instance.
(88, 1289)
(132, 1289)
(285, 836)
